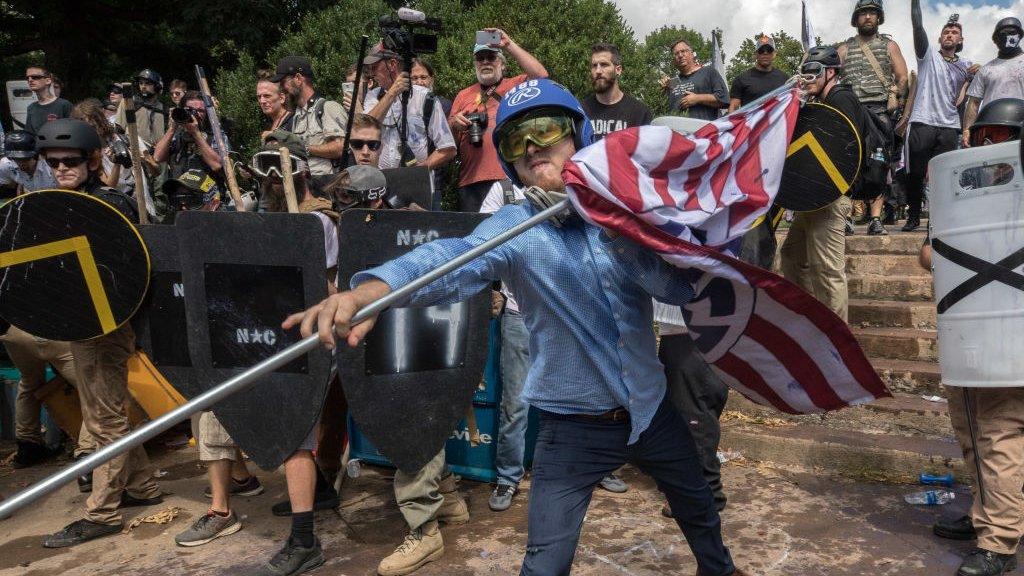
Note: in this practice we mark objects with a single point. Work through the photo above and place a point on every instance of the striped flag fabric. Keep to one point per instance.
(689, 197)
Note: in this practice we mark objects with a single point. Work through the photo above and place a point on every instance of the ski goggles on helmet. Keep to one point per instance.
(813, 69)
(985, 135)
(268, 163)
(544, 129)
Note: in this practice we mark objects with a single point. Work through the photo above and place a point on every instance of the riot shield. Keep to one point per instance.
(237, 277)
(407, 186)
(411, 380)
(822, 161)
(71, 266)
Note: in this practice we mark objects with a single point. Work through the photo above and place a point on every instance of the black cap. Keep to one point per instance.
(292, 65)
(19, 144)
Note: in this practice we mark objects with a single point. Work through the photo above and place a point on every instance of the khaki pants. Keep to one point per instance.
(999, 432)
(212, 438)
(30, 356)
(102, 365)
(814, 254)
(417, 494)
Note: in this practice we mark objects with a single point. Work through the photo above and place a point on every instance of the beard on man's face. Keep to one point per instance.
(867, 29)
(602, 84)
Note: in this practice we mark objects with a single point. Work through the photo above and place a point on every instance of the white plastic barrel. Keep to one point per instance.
(976, 203)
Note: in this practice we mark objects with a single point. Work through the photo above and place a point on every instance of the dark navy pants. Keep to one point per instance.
(573, 454)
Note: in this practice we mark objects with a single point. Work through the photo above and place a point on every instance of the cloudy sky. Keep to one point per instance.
(830, 19)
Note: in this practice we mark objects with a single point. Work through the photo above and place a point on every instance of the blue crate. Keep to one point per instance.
(491, 392)
(474, 463)
(9, 377)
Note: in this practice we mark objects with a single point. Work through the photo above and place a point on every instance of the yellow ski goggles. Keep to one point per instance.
(543, 130)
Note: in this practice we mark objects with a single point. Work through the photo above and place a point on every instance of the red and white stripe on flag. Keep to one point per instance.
(682, 196)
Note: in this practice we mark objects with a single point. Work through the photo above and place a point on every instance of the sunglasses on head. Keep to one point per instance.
(356, 144)
(985, 135)
(68, 162)
(543, 130)
(268, 163)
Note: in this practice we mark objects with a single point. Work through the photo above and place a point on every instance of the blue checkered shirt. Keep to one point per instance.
(587, 303)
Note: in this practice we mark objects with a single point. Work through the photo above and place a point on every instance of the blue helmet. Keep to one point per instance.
(534, 94)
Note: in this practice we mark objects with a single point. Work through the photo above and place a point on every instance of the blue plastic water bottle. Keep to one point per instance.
(934, 480)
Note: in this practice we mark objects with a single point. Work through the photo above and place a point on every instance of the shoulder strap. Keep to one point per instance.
(873, 62)
(507, 191)
(318, 110)
(428, 113)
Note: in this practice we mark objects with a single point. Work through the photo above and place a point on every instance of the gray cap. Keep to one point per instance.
(368, 180)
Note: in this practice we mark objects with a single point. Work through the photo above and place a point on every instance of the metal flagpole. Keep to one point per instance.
(249, 377)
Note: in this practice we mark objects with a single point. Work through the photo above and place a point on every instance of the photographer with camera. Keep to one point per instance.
(189, 143)
(428, 140)
(117, 159)
(474, 108)
(318, 122)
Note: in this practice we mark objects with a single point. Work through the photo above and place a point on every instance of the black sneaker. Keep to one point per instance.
(849, 231)
(293, 559)
(30, 454)
(80, 531)
(321, 501)
(85, 483)
(959, 529)
(875, 228)
(987, 563)
(888, 214)
(911, 225)
(250, 487)
(129, 501)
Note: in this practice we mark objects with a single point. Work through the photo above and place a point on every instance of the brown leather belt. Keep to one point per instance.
(613, 415)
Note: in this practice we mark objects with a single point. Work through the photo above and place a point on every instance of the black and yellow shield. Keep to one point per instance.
(822, 161)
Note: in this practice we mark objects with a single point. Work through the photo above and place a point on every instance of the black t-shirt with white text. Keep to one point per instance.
(39, 114)
(754, 83)
(626, 113)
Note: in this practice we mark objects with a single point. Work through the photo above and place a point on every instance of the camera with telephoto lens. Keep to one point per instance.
(182, 114)
(477, 125)
(119, 150)
(398, 33)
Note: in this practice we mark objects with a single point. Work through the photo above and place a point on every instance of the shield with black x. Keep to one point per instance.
(985, 272)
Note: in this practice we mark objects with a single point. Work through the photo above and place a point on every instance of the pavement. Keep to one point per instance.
(777, 523)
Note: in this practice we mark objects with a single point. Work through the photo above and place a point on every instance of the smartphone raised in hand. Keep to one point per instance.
(488, 38)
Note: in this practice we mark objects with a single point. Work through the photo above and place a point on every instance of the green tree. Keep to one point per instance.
(789, 54)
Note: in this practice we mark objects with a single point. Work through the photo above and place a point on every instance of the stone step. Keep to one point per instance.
(898, 343)
(879, 287)
(910, 376)
(901, 243)
(896, 314)
(883, 264)
(907, 415)
(852, 453)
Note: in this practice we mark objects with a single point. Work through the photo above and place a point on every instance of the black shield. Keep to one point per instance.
(822, 161)
(71, 266)
(241, 274)
(408, 186)
(411, 380)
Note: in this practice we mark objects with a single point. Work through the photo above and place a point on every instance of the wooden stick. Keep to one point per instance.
(133, 144)
(471, 427)
(225, 159)
(289, 182)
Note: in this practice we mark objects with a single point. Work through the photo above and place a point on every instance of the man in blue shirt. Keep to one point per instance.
(596, 380)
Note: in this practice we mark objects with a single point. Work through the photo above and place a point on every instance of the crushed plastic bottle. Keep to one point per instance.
(352, 468)
(930, 497)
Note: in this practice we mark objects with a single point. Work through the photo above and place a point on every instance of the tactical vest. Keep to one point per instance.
(858, 73)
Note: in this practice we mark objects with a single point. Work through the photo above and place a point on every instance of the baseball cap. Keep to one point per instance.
(292, 65)
(378, 53)
(278, 138)
(482, 47)
(764, 41)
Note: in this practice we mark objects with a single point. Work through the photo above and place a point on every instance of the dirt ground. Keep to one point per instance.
(778, 523)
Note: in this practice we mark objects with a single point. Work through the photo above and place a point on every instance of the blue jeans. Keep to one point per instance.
(573, 454)
(515, 363)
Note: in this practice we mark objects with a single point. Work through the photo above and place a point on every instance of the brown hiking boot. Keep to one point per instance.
(453, 509)
(420, 546)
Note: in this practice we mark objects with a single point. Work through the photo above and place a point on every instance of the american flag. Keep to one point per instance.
(689, 198)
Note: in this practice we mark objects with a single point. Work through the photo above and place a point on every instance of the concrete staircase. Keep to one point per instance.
(893, 316)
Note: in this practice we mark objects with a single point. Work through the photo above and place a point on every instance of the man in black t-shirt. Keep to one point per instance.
(47, 105)
(609, 108)
(759, 80)
(697, 91)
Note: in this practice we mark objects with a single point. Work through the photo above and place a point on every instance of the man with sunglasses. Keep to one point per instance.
(759, 80)
(20, 168)
(365, 142)
(596, 380)
(48, 105)
(191, 145)
(697, 91)
(934, 126)
(814, 253)
(114, 97)
(480, 168)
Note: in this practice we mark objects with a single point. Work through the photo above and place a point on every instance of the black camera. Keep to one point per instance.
(399, 36)
(477, 126)
(119, 150)
(182, 114)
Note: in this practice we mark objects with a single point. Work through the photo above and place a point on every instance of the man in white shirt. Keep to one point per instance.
(1001, 77)
(21, 171)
